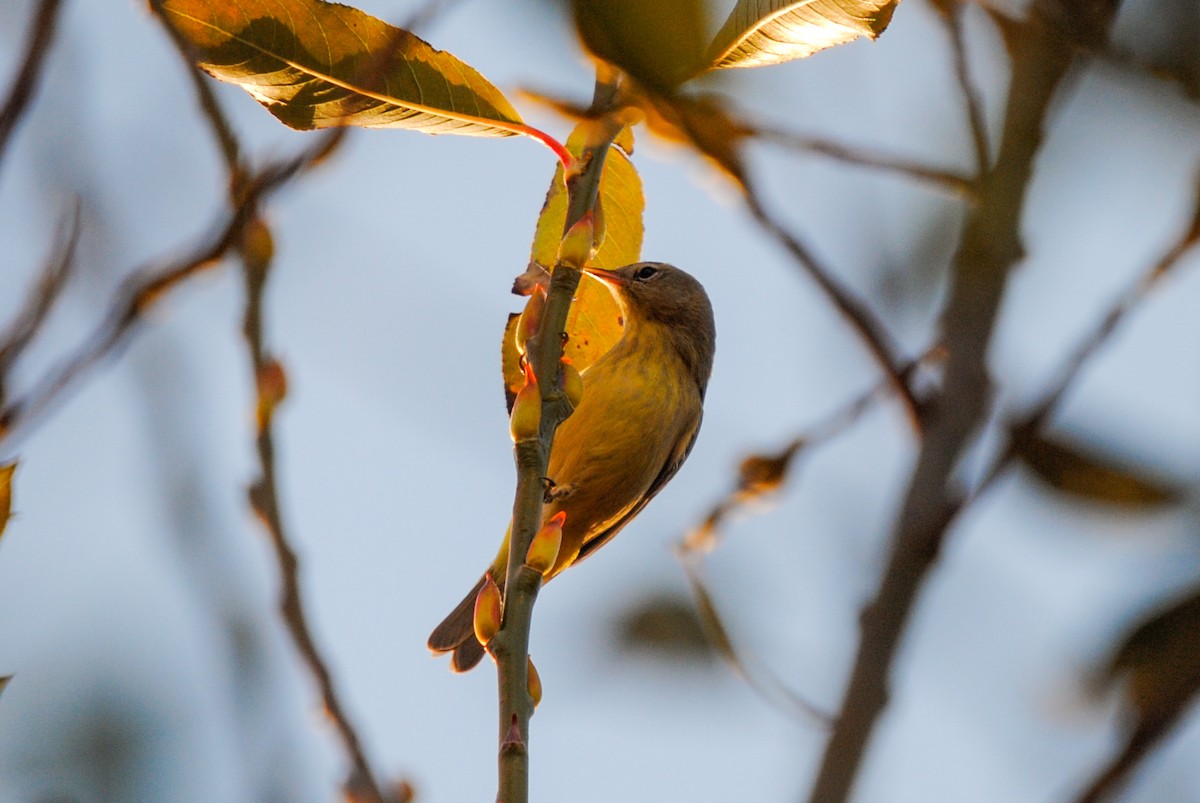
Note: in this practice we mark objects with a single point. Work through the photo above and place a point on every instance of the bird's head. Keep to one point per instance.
(659, 293)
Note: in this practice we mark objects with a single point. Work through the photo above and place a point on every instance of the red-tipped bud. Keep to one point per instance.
(526, 418)
(543, 549)
(578, 243)
(571, 382)
(535, 684)
(488, 611)
(531, 317)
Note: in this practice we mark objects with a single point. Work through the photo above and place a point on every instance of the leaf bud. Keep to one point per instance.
(535, 684)
(488, 611)
(258, 246)
(543, 549)
(526, 418)
(531, 317)
(578, 243)
(571, 382)
(272, 388)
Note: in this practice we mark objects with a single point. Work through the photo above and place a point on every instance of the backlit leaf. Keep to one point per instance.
(6, 474)
(1073, 469)
(660, 43)
(594, 324)
(761, 32)
(315, 65)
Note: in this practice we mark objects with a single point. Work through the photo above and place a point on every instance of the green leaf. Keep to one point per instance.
(315, 65)
(1075, 469)
(594, 323)
(761, 32)
(660, 43)
(6, 474)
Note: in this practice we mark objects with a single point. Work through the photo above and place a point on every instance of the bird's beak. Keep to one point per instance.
(609, 277)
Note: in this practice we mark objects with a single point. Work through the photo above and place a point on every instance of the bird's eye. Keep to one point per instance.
(646, 272)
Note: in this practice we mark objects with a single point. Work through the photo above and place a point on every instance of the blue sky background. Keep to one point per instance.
(137, 593)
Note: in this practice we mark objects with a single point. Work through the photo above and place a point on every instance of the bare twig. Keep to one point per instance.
(148, 284)
(361, 785)
(945, 180)
(41, 299)
(255, 250)
(1038, 416)
(951, 12)
(870, 328)
(756, 675)
(989, 249)
(24, 85)
(427, 13)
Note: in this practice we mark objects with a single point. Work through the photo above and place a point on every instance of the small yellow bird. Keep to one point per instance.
(635, 425)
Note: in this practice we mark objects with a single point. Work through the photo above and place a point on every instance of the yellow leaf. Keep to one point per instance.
(761, 32)
(315, 65)
(594, 324)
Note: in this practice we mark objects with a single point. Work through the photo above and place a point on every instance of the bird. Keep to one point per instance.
(634, 426)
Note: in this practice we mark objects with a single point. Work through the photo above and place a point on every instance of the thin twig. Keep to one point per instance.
(146, 285)
(1038, 416)
(41, 299)
(951, 13)
(870, 328)
(989, 249)
(24, 85)
(361, 784)
(754, 673)
(427, 13)
(947, 181)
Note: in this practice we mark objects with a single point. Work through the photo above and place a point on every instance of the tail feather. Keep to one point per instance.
(456, 634)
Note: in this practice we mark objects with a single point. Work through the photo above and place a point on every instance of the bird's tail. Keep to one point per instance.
(456, 633)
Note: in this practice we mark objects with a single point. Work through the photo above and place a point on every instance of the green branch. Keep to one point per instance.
(510, 646)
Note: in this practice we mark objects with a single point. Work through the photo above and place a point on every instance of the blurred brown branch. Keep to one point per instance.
(862, 319)
(1041, 53)
(256, 252)
(951, 13)
(40, 301)
(146, 285)
(24, 85)
(947, 181)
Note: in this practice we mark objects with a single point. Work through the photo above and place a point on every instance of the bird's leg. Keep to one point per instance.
(554, 491)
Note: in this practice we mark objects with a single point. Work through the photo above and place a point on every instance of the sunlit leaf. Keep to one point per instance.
(1075, 470)
(6, 475)
(1160, 659)
(315, 65)
(761, 32)
(594, 323)
(660, 43)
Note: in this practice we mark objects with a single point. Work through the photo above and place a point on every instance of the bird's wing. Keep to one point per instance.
(674, 461)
